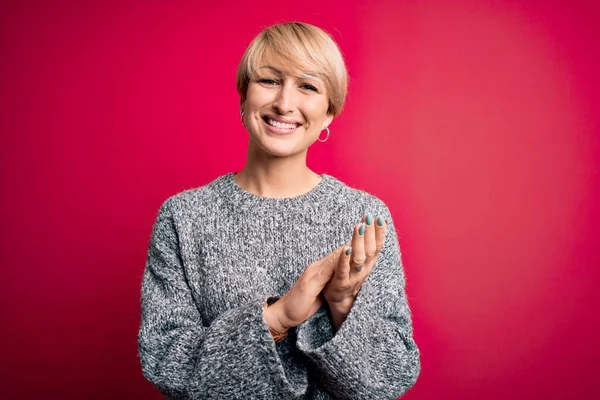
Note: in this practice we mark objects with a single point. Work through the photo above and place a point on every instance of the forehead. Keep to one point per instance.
(295, 72)
(286, 65)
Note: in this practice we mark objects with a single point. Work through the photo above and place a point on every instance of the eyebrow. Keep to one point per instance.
(304, 75)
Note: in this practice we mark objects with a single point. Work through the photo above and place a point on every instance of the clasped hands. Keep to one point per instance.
(336, 278)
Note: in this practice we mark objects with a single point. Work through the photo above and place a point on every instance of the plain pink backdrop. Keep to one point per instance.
(475, 121)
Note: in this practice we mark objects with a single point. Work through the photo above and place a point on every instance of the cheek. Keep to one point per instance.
(257, 96)
(316, 111)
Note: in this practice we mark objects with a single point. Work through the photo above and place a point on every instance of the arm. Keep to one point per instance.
(186, 359)
(373, 354)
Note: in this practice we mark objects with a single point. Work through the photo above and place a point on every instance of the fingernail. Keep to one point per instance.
(380, 221)
(348, 251)
(369, 219)
(361, 230)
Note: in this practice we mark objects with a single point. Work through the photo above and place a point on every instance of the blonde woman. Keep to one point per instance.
(277, 282)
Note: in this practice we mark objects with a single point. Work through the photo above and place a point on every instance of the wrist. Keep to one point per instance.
(338, 313)
(337, 321)
(341, 307)
(272, 314)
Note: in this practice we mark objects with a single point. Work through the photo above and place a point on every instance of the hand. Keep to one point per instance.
(354, 265)
(304, 298)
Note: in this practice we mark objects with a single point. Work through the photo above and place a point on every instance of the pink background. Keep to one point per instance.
(475, 121)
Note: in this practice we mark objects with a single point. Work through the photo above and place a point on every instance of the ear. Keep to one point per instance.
(327, 121)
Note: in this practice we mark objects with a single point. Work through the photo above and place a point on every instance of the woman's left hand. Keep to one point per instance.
(354, 265)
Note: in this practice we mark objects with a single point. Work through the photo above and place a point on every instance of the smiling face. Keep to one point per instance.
(285, 112)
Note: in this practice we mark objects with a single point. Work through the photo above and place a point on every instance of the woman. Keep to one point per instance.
(276, 282)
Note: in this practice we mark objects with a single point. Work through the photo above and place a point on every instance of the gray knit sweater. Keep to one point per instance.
(218, 252)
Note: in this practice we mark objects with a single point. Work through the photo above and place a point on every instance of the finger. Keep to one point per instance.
(323, 270)
(343, 268)
(331, 263)
(358, 248)
(370, 244)
(380, 232)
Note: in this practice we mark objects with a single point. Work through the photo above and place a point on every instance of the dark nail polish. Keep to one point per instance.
(348, 251)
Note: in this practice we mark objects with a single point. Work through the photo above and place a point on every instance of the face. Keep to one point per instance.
(285, 113)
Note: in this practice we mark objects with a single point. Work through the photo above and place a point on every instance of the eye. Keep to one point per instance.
(268, 81)
(309, 87)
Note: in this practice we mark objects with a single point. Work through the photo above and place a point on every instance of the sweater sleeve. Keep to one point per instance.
(184, 358)
(373, 355)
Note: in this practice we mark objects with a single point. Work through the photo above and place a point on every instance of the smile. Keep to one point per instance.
(280, 125)
(279, 128)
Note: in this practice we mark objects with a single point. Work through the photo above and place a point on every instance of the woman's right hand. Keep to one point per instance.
(303, 299)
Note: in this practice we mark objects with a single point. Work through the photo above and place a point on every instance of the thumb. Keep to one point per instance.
(335, 258)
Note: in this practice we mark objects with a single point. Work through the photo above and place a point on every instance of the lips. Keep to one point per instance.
(280, 125)
(279, 128)
(274, 120)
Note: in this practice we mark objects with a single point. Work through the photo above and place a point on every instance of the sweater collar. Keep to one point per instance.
(228, 187)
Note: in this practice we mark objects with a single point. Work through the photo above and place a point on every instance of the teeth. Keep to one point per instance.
(281, 125)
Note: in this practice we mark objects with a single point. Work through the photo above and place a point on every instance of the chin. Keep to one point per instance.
(281, 149)
(283, 152)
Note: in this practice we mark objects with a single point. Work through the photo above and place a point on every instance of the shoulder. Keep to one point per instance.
(352, 196)
(201, 199)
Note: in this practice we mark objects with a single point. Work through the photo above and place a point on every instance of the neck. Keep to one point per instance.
(276, 177)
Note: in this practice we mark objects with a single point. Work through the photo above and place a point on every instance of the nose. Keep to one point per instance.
(285, 102)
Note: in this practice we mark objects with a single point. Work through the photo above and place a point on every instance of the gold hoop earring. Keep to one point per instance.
(326, 137)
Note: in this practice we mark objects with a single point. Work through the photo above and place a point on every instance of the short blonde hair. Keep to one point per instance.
(304, 47)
